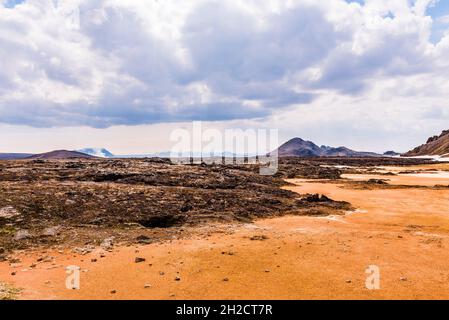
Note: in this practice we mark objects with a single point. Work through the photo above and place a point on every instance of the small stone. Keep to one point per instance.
(267, 271)
(53, 267)
(93, 260)
(259, 238)
(139, 260)
(22, 235)
(143, 239)
(348, 281)
(226, 279)
(113, 291)
(161, 273)
(8, 212)
(147, 286)
(13, 273)
(84, 250)
(403, 279)
(108, 243)
(177, 278)
(51, 232)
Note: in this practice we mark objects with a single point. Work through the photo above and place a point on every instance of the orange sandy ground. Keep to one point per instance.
(404, 232)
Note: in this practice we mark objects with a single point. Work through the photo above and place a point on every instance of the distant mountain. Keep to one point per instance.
(298, 147)
(226, 154)
(61, 154)
(97, 152)
(14, 156)
(435, 146)
(391, 154)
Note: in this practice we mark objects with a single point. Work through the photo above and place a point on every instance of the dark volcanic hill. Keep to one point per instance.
(298, 147)
(14, 156)
(435, 146)
(391, 153)
(61, 154)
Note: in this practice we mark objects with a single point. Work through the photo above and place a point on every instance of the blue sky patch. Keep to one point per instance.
(437, 12)
(12, 3)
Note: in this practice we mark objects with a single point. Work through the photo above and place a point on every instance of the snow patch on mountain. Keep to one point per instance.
(97, 152)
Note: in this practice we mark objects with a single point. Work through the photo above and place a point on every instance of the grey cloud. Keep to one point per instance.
(399, 54)
(128, 75)
(122, 34)
(225, 41)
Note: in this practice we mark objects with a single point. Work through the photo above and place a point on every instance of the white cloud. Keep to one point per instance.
(109, 62)
(444, 19)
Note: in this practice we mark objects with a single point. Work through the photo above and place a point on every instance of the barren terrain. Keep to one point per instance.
(301, 246)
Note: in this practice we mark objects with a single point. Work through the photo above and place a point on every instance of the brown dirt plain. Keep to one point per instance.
(400, 225)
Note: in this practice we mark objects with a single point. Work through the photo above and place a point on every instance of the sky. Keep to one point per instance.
(370, 75)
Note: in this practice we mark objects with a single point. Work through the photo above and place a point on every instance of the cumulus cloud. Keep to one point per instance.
(444, 19)
(109, 62)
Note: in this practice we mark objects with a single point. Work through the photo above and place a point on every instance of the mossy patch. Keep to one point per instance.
(8, 292)
(7, 230)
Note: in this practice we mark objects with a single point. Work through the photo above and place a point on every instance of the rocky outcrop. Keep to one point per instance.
(435, 146)
(298, 147)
